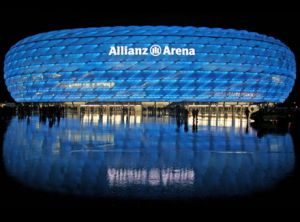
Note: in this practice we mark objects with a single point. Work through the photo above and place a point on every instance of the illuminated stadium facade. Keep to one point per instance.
(150, 64)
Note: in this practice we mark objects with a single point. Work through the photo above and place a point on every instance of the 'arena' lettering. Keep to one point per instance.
(166, 50)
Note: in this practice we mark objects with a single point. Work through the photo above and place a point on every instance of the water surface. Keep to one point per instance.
(145, 157)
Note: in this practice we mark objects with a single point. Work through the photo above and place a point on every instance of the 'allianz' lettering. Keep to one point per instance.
(125, 50)
(166, 50)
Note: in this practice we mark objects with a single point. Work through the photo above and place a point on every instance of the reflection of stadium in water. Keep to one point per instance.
(136, 156)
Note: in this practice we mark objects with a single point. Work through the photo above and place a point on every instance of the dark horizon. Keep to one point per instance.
(27, 22)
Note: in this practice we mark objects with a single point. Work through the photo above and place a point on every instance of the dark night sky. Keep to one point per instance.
(19, 23)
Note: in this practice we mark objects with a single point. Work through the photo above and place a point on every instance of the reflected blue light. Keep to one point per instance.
(145, 157)
(228, 65)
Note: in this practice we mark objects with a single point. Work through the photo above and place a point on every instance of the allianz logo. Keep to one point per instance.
(154, 50)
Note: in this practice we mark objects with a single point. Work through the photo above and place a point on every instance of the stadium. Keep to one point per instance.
(150, 65)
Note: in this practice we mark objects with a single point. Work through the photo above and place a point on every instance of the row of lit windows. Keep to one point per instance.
(211, 64)
(87, 85)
